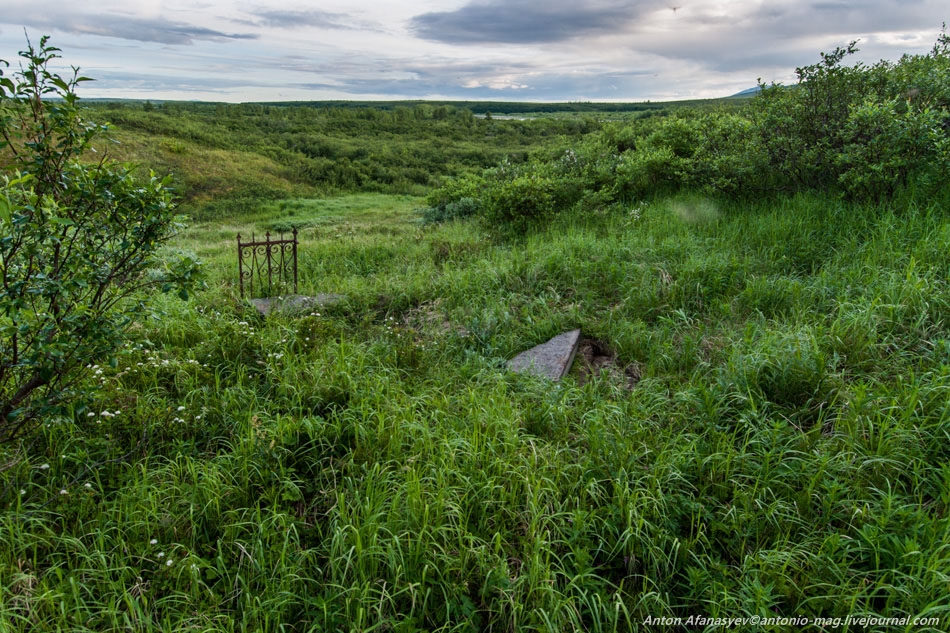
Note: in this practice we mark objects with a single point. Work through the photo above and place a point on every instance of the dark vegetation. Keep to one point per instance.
(759, 427)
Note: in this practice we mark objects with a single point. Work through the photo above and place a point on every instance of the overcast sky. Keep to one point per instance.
(518, 50)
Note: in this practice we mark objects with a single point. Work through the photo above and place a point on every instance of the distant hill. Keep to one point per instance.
(746, 93)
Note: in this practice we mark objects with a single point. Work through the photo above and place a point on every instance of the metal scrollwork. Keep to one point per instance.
(267, 267)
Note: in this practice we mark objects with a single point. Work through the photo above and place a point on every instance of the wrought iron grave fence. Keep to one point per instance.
(267, 267)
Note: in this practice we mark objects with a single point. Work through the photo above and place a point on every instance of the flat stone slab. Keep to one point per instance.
(551, 360)
(295, 305)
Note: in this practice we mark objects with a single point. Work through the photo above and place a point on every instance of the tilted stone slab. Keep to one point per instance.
(295, 305)
(551, 360)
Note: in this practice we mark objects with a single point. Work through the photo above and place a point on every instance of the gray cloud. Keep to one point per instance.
(472, 80)
(772, 40)
(135, 82)
(553, 50)
(831, 6)
(281, 18)
(141, 29)
(152, 30)
(525, 21)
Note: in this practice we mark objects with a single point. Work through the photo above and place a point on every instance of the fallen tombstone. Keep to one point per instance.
(295, 305)
(550, 360)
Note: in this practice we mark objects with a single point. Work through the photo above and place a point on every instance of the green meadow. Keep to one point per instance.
(758, 425)
(778, 445)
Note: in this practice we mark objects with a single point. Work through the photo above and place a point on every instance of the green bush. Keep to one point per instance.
(714, 152)
(649, 171)
(513, 208)
(456, 199)
(78, 242)
(867, 132)
(887, 149)
(453, 210)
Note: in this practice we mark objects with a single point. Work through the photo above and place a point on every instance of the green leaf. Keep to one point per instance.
(6, 210)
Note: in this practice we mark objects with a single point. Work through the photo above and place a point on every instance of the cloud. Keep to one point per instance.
(831, 6)
(771, 40)
(548, 50)
(136, 83)
(150, 30)
(140, 29)
(468, 80)
(281, 18)
(526, 21)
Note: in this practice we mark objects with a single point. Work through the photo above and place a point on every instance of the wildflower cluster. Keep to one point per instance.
(246, 328)
(160, 555)
(637, 211)
(103, 415)
(98, 373)
(181, 411)
(148, 362)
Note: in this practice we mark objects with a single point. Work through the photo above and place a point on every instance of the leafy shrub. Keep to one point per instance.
(515, 207)
(446, 202)
(649, 171)
(727, 159)
(801, 129)
(867, 131)
(77, 243)
(710, 151)
(887, 149)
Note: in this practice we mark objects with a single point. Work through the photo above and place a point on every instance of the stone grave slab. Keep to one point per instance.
(295, 305)
(551, 359)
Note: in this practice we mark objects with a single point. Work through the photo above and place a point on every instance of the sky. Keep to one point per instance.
(510, 50)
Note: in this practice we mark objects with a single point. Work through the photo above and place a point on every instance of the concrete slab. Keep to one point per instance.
(295, 305)
(551, 360)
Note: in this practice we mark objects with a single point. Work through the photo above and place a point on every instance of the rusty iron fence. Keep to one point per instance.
(269, 267)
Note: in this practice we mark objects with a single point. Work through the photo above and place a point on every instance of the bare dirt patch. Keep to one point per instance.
(596, 358)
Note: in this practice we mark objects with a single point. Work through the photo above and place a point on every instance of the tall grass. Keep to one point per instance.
(372, 466)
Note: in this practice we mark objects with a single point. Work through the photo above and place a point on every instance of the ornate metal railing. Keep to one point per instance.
(269, 267)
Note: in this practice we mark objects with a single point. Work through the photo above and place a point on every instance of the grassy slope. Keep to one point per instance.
(373, 465)
(203, 173)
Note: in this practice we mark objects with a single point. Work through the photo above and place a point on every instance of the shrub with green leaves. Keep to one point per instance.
(515, 206)
(867, 132)
(78, 245)
(456, 199)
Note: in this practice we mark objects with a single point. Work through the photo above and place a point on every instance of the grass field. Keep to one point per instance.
(766, 431)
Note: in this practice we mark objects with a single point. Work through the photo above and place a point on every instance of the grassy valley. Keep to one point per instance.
(229, 158)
